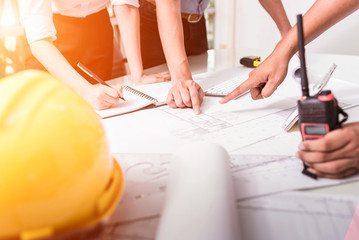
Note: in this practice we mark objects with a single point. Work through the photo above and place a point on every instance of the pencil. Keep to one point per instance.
(94, 76)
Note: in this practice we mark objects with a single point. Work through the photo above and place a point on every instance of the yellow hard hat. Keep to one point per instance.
(56, 172)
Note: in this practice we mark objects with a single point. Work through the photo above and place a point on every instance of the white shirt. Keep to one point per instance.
(36, 15)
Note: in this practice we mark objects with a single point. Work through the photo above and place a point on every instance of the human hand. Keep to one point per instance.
(102, 97)
(186, 93)
(336, 155)
(264, 79)
(153, 78)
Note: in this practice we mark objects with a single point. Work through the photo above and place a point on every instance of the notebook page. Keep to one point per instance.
(158, 91)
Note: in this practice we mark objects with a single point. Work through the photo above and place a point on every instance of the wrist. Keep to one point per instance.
(181, 77)
(286, 48)
(181, 72)
(181, 80)
(136, 77)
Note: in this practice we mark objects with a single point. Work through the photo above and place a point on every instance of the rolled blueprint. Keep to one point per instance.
(200, 200)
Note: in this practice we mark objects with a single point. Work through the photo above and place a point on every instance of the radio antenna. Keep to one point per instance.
(303, 68)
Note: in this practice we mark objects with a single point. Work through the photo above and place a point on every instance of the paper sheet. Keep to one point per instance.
(256, 175)
(296, 216)
(243, 127)
(249, 130)
(237, 124)
(253, 175)
(233, 125)
(291, 215)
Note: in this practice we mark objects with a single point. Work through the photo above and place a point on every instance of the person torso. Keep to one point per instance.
(78, 8)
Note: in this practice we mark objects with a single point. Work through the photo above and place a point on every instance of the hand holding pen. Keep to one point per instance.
(106, 96)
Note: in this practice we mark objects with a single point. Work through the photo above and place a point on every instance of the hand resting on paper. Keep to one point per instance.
(186, 93)
(334, 156)
(153, 78)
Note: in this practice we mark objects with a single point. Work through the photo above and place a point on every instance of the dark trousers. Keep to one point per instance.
(87, 40)
(195, 36)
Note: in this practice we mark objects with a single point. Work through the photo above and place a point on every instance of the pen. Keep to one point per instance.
(94, 76)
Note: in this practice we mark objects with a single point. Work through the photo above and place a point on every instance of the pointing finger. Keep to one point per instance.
(245, 86)
(196, 99)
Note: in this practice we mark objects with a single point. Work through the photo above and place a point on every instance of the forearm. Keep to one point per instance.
(266, 78)
(129, 24)
(171, 33)
(276, 10)
(51, 58)
(324, 14)
(321, 16)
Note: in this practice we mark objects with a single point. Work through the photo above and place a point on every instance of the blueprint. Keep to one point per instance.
(233, 129)
(253, 175)
(291, 215)
(233, 125)
(296, 216)
(262, 163)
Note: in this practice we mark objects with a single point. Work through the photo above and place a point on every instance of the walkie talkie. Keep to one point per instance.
(318, 114)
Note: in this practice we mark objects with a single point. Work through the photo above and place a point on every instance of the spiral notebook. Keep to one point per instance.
(138, 97)
(217, 83)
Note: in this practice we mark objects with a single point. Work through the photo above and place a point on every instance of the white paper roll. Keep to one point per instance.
(200, 202)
